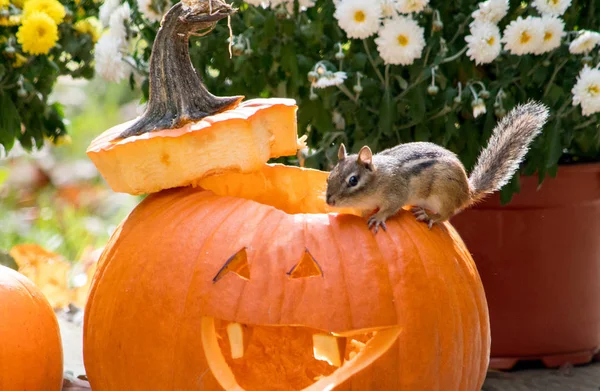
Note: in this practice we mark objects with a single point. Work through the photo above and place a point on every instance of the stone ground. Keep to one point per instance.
(581, 378)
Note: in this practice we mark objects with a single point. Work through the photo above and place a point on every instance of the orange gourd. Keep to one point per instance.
(30, 343)
(246, 280)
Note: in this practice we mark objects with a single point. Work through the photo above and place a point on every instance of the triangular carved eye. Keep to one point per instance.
(238, 264)
(307, 267)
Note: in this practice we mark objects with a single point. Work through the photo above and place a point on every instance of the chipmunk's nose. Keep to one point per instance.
(330, 200)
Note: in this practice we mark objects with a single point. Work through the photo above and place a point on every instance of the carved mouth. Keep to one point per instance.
(252, 357)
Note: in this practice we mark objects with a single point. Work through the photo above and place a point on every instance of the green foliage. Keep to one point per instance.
(58, 227)
(394, 105)
(26, 81)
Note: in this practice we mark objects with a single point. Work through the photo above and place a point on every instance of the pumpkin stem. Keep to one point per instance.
(177, 95)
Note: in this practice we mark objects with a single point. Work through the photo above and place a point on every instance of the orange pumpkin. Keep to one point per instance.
(30, 344)
(197, 291)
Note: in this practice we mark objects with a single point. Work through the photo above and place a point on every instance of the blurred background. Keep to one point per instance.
(54, 196)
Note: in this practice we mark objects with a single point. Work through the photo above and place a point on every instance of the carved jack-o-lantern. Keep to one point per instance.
(248, 282)
(199, 291)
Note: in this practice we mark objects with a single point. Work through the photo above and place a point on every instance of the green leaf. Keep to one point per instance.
(269, 29)
(290, 64)
(554, 94)
(417, 109)
(359, 61)
(422, 133)
(387, 114)
(553, 145)
(512, 187)
(450, 127)
(10, 122)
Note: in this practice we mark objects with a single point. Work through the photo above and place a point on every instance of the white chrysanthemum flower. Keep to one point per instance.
(258, 3)
(106, 11)
(388, 8)
(289, 4)
(117, 22)
(552, 7)
(306, 3)
(484, 42)
(586, 91)
(409, 6)
(108, 58)
(524, 36)
(357, 18)
(554, 30)
(491, 11)
(400, 41)
(585, 42)
(330, 79)
(147, 8)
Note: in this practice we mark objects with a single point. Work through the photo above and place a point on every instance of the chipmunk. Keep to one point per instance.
(427, 176)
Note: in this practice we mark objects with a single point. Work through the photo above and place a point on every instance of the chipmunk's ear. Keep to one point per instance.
(365, 157)
(342, 152)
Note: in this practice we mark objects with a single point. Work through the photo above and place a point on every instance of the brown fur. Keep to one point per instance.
(429, 176)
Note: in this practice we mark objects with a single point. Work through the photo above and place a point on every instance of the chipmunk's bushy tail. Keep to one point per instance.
(506, 149)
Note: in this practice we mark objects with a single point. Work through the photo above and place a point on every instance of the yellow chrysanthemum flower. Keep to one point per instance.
(4, 4)
(38, 33)
(91, 26)
(52, 8)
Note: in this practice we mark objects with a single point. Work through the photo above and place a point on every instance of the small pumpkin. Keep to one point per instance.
(30, 343)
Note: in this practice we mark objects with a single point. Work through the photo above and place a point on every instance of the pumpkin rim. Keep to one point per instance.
(275, 179)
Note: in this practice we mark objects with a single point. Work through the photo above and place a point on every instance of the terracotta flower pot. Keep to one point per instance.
(539, 260)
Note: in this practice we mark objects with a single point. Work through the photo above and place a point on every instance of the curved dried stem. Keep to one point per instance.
(177, 95)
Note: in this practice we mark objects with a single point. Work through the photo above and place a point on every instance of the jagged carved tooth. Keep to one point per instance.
(327, 347)
(235, 333)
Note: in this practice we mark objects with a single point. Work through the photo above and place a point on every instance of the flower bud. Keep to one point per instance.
(433, 90)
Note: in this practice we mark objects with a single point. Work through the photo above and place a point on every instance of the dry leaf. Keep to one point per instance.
(47, 270)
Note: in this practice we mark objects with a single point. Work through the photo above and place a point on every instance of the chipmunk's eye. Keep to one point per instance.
(353, 181)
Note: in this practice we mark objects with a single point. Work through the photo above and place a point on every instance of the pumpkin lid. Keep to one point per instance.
(186, 133)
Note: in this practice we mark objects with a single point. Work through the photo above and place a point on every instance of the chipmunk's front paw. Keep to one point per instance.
(377, 221)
